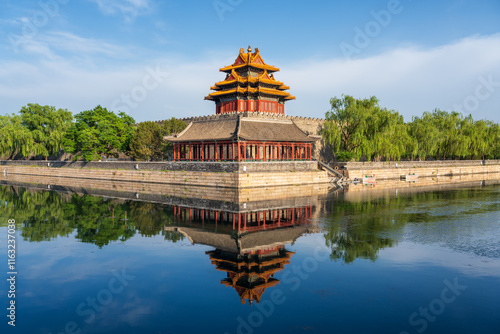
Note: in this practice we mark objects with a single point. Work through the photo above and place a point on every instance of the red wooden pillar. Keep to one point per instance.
(239, 221)
(234, 222)
(245, 226)
(293, 152)
(245, 151)
(232, 151)
(239, 152)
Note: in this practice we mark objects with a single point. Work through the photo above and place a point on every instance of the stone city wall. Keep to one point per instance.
(363, 192)
(435, 171)
(210, 198)
(237, 180)
(183, 166)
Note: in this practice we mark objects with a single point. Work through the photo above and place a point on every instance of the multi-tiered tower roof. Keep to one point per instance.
(249, 124)
(250, 86)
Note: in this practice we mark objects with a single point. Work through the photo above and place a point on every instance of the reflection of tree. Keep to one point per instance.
(173, 236)
(360, 229)
(351, 241)
(41, 214)
(150, 218)
(46, 215)
(94, 222)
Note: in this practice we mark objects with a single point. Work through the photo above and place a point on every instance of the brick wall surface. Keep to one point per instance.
(383, 188)
(192, 166)
(413, 164)
(396, 173)
(226, 199)
(185, 178)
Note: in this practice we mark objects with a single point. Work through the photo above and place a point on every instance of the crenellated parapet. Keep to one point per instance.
(264, 115)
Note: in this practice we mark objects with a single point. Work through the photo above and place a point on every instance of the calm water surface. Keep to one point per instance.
(425, 262)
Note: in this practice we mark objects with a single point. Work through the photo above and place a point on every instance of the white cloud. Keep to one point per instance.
(410, 80)
(128, 8)
(55, 45)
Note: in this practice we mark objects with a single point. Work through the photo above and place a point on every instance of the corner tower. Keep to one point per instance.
(249, 86)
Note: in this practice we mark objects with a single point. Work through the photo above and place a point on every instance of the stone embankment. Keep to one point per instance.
(394, 170)
(216, 174)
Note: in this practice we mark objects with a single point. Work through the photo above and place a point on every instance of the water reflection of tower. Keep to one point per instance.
(250, 274)
(249, 245)
(243, 221)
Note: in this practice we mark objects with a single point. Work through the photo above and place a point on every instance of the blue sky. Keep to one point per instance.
(158, 59)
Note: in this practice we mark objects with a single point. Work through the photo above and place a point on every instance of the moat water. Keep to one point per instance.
(415, 262)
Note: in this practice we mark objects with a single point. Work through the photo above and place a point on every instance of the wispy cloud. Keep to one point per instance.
(56, 45)
(128, 8)
(410, 79)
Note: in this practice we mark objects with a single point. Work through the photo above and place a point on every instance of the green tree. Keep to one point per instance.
(47, 126)
(99, 132)
(356, 127)
(14, 138)
(148, 143)
(173, 125)
(425, 136)
(494, 135)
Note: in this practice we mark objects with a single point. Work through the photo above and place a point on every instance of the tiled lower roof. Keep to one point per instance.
(243, 128)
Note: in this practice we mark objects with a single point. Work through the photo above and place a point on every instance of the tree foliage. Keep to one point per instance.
(14, 138)
(99, 132)
(37, 130)
(360, 127)
(148, 143)
(47, 126)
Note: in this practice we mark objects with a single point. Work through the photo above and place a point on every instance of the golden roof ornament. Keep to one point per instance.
(249, 48)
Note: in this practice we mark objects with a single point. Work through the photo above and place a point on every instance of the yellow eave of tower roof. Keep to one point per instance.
(252, 90)
(261, 66)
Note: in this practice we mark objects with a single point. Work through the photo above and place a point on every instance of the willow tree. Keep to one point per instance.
(426, 136)
(356, 127)
(47, 126)
(14, 138)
